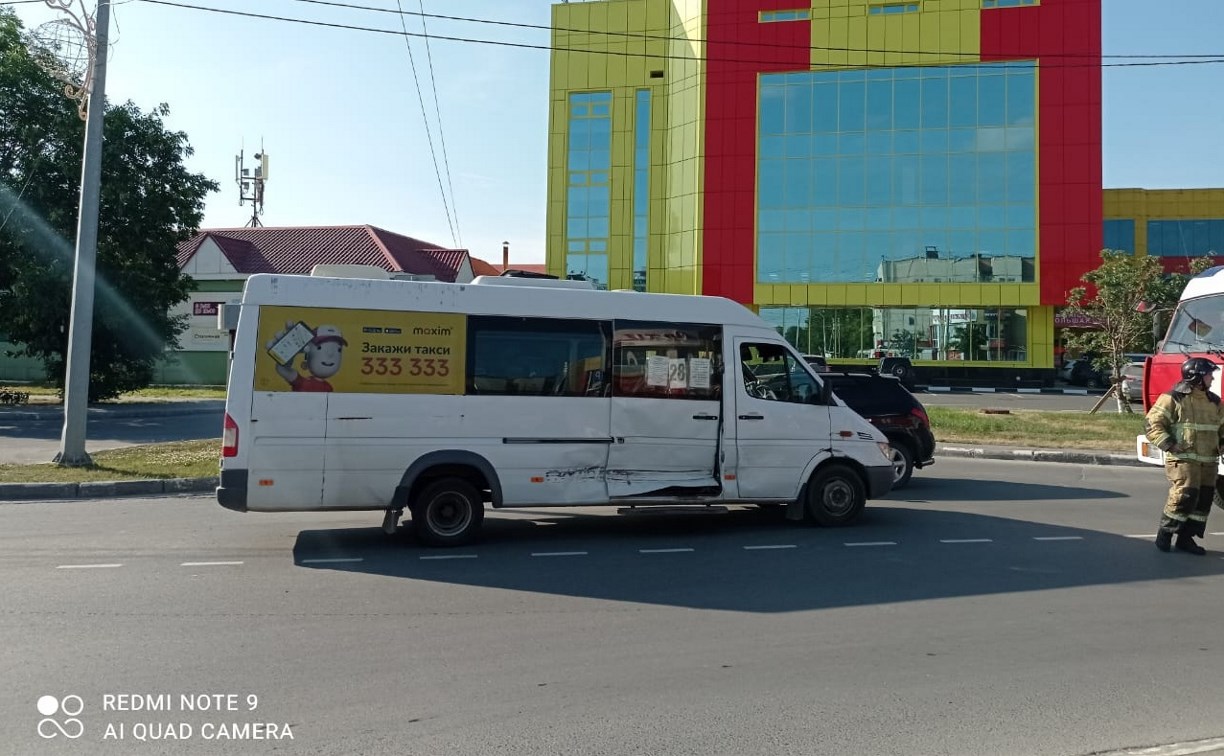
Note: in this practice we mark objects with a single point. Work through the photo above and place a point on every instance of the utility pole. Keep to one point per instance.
(76, 384)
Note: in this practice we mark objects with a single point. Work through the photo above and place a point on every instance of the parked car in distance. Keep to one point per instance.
(818, 363)
(1083, 372)
(1132, 382)
(889, 406)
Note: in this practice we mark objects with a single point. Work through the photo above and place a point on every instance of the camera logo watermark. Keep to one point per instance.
(69, 706)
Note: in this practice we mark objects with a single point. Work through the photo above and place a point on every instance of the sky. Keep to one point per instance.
(337, 111)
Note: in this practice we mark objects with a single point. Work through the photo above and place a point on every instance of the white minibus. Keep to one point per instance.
(442, 399)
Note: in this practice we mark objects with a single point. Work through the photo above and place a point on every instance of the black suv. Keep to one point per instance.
(886, 404)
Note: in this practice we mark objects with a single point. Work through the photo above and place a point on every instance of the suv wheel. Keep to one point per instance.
(902, 463)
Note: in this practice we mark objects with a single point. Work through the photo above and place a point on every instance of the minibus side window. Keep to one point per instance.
(771, 372)
(659, 360)
(510, 356)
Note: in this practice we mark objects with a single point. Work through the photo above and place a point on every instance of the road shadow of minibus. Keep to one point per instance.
(909, 554)
(934, 488)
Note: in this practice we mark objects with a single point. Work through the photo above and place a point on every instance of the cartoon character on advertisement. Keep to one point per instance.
(323, 348)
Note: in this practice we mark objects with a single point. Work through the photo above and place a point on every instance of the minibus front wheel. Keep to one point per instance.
(448, 512)
(836, 495)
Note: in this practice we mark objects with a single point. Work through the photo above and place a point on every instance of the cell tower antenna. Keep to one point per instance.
(251, 183)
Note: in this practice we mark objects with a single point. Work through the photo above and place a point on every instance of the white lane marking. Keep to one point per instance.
(1058, 538)
(966, 540)
(337, 560)
(1141, 535)
(1218, 532)
(871, 543)
(771, 546)
(1172, 749)
(87, 566)
(663, 551)
(451, 556)
(557, 553)
(209, 564)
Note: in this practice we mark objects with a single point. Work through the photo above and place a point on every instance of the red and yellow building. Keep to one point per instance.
(915, 177)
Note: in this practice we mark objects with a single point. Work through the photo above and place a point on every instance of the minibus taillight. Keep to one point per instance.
(229, 438)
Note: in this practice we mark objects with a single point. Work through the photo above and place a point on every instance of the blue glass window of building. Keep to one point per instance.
(768, 17)
(588, 207)
(890, 8)
(641, 188)
(1185, 238)
(983, 334)
(905, 174)
(1120, 235)
(1007, 3)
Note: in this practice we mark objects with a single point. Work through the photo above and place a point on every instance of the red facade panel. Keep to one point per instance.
(1065, 37)
(738, 48)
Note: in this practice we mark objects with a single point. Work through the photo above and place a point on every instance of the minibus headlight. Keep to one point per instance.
(885, 449)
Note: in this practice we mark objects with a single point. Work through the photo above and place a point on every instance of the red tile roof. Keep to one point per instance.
(482, 268)
(295, 250)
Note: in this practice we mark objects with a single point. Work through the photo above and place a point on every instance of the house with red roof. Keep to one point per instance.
(221, 259)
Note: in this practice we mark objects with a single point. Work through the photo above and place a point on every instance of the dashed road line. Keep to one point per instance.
(210, 564)
(450, 556)
(557, 553)
(771, 546)
(1058, 538)
(871, 543)
(664, 551)
(966, 540)
(87, 566)
(1141, 535)
(334, 560)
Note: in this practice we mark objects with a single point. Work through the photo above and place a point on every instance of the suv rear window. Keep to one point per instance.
(869, 394)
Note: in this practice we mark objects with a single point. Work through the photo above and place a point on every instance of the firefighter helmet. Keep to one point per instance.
(1194, 369)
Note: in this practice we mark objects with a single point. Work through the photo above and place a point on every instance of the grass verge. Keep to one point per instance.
(180, 459)
(1044, 430)
(44, 395)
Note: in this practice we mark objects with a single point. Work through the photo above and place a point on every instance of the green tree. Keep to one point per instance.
(971, 341)
(1120, 298)
(150, 202)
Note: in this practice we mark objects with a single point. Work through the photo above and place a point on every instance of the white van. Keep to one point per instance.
(440, 398)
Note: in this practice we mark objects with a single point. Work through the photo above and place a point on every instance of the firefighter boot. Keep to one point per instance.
(1164, 540)
(1186, 543)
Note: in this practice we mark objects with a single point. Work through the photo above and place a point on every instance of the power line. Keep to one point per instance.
(428, 132)
(626, 54)
(433, 82)
(646, 36)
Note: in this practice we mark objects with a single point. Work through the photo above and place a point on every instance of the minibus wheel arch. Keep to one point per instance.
(437, 465)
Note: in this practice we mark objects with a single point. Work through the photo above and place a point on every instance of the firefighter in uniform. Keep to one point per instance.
(1185, 424)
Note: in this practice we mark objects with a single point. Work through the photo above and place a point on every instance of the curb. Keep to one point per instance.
(13, 492)
(1043, 455)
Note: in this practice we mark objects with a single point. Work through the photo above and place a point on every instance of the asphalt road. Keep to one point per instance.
(1044, 402)
(993, 608)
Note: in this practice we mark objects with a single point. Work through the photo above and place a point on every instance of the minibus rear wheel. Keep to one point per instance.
(448, 512)
(836, 495)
